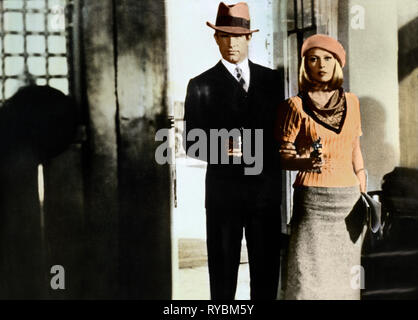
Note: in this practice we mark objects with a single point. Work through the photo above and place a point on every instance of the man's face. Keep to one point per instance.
(233, 48)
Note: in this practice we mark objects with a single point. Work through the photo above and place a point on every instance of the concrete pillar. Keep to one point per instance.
(144, 185)
(101, 149)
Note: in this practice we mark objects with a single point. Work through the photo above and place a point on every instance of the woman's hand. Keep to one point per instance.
(288, 149)
(358, 165)
(313, 163)
(290, 159)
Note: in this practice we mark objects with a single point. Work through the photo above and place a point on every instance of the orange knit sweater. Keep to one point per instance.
(296, 126)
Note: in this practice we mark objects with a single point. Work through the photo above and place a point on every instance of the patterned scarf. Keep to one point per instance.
(332, 112)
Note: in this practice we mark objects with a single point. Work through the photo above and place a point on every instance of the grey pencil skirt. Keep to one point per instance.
(323, 261)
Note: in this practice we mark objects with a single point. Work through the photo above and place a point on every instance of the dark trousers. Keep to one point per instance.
(225, 228)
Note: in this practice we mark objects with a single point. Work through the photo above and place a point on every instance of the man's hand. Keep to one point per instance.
(235, 152)
(234, 148)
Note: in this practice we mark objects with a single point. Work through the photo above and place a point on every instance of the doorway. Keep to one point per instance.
(191, 51)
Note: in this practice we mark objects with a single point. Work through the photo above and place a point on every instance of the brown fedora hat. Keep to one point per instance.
(234, 18)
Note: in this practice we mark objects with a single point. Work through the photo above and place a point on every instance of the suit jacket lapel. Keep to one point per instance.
(228, 89)
(256, 111)
(254, 76)
(228, 76)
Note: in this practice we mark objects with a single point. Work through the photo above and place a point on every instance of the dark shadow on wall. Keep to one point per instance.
(36, 124)
(408, 94)
(378, 155)
(408, 49)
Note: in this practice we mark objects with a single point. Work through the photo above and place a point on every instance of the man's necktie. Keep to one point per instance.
(240, 78)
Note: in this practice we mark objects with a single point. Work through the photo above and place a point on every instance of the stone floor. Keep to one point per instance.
(191, 279)
(193, 284)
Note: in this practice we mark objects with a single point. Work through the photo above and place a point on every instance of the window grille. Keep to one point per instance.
(35, 39)
(301, 23)
(302, 16)
(301, 20)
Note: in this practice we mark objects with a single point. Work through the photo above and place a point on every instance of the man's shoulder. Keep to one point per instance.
(269, 79)
(260, 68)
(210, 73)
(265, 74)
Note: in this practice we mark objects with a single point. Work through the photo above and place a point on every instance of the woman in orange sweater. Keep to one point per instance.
(321, 253)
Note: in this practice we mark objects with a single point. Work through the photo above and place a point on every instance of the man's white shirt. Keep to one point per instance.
(243, 65)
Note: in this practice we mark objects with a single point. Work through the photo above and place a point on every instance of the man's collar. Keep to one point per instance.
(243, 65)
(231, 66)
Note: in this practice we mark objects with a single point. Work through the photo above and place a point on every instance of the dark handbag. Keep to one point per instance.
(373, 212)
(369, 211)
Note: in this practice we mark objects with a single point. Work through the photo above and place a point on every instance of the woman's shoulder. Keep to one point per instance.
(351, 97)
(294, 103)
(290, 109)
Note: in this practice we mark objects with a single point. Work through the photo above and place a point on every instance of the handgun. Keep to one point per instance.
(316, 146)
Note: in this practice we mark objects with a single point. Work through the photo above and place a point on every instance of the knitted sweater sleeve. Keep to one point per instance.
(288, 121)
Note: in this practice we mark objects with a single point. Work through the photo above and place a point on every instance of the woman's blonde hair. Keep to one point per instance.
(305, 83)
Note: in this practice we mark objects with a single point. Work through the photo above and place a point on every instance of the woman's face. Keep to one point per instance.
(321, 64)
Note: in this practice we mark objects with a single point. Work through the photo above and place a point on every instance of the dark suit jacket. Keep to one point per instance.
(215, 100)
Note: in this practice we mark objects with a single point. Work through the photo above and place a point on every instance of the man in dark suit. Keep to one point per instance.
(237, 94)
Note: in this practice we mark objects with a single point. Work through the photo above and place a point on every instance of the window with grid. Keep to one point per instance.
(301, 17)
(301, 23)
(34, 39)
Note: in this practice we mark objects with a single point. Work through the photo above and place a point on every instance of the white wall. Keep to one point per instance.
(372, 61)
(192, 50)
(191, 47)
